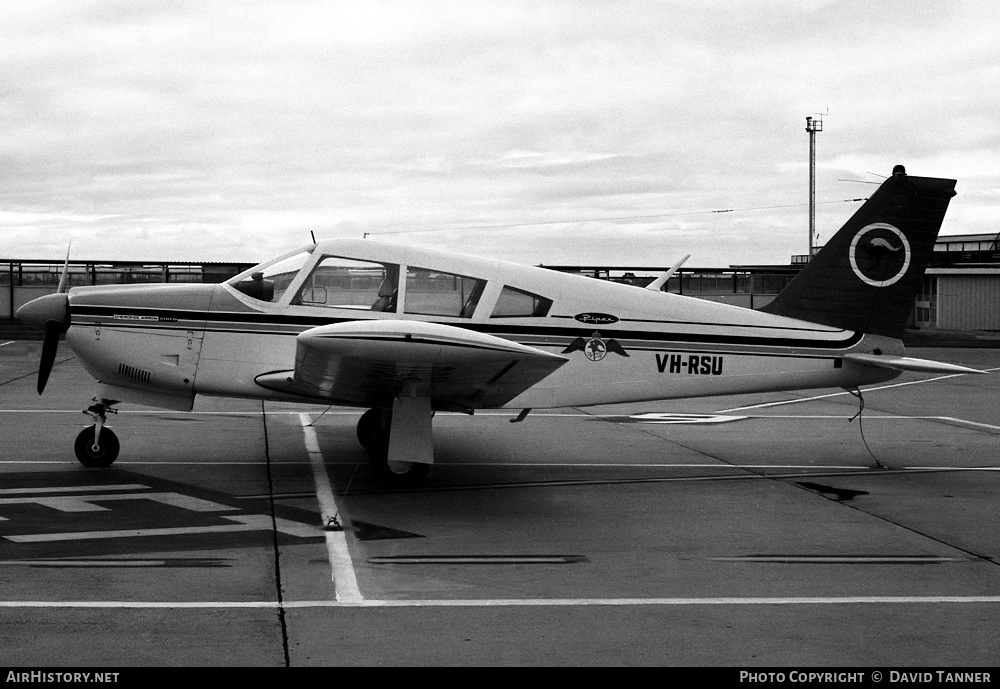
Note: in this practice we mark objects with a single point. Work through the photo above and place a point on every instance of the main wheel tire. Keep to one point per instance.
(369, 424)
(388, 473)
(102, 455)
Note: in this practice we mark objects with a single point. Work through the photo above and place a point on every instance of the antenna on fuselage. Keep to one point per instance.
(657, 284)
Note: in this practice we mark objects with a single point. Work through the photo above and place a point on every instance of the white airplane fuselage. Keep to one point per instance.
(163, 344)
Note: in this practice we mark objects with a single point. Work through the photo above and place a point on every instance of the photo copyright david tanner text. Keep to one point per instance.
(892, 676)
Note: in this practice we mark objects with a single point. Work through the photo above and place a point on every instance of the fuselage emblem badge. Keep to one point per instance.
(596, 348)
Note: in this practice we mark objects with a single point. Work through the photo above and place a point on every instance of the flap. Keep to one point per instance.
(370, 362)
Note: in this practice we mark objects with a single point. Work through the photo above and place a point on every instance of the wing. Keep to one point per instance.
(371, 362)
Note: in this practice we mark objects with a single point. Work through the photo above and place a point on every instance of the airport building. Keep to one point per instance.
(960, 292)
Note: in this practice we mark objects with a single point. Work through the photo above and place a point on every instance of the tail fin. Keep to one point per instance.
(866, 278)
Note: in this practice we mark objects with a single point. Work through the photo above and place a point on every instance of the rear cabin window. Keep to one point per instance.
(433, 293)
(346, 283)
(514, 302)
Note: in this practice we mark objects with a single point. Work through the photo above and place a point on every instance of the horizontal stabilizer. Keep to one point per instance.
(906, 363)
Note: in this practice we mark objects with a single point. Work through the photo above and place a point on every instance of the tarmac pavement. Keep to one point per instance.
(750, 531)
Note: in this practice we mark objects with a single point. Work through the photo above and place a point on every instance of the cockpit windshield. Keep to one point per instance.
(268, 281)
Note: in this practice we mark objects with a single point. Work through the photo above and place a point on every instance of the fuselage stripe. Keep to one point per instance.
(212, 321)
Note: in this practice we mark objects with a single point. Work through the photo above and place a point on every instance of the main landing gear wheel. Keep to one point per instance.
(102, 454)
(369, 424)
(373, 434)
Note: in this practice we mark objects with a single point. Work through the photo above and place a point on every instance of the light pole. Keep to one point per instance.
(812, 126)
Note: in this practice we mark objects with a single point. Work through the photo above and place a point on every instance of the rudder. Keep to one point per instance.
(867, 276)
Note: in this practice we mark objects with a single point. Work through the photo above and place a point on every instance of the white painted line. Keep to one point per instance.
(879, 417)
(838, 394)
(952, 419)
(619, 602)
(674, 418)
(970, 423)
(842, 559)
(342, 568)
(580, 465)
(806, 399)
(516, 602)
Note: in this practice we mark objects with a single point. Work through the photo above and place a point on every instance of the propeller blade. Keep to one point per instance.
(64, 278)
(51, 314)
(49, 346)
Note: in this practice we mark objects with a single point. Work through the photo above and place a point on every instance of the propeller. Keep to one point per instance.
(51, 314)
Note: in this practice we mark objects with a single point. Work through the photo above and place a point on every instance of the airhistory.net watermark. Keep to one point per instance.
(47, 677)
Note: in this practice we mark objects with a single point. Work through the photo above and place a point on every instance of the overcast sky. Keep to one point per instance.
(592, 132)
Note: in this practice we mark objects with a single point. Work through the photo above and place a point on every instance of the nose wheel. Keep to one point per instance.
(96, 451)
(97, 446)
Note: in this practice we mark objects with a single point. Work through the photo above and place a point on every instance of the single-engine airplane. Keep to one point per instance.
(405, 332)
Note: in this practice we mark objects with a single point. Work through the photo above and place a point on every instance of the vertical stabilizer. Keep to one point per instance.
(866, 278)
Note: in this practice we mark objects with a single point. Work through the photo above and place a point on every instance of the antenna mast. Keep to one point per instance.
(812, 126)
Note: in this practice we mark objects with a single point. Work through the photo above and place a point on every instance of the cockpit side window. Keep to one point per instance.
(518, 303)
(433, 293)
(346, 283)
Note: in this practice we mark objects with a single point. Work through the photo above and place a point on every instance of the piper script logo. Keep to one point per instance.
(880, 254)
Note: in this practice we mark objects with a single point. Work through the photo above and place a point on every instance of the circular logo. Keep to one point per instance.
(880, 254)
(596, 349)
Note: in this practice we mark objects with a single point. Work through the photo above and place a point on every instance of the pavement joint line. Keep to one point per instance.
(55, 490)
(342, 567)
(514, 602)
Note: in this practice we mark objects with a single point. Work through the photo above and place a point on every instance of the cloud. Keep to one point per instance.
(219, 130)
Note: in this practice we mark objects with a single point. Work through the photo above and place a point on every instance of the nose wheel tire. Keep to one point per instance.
(102, 454)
